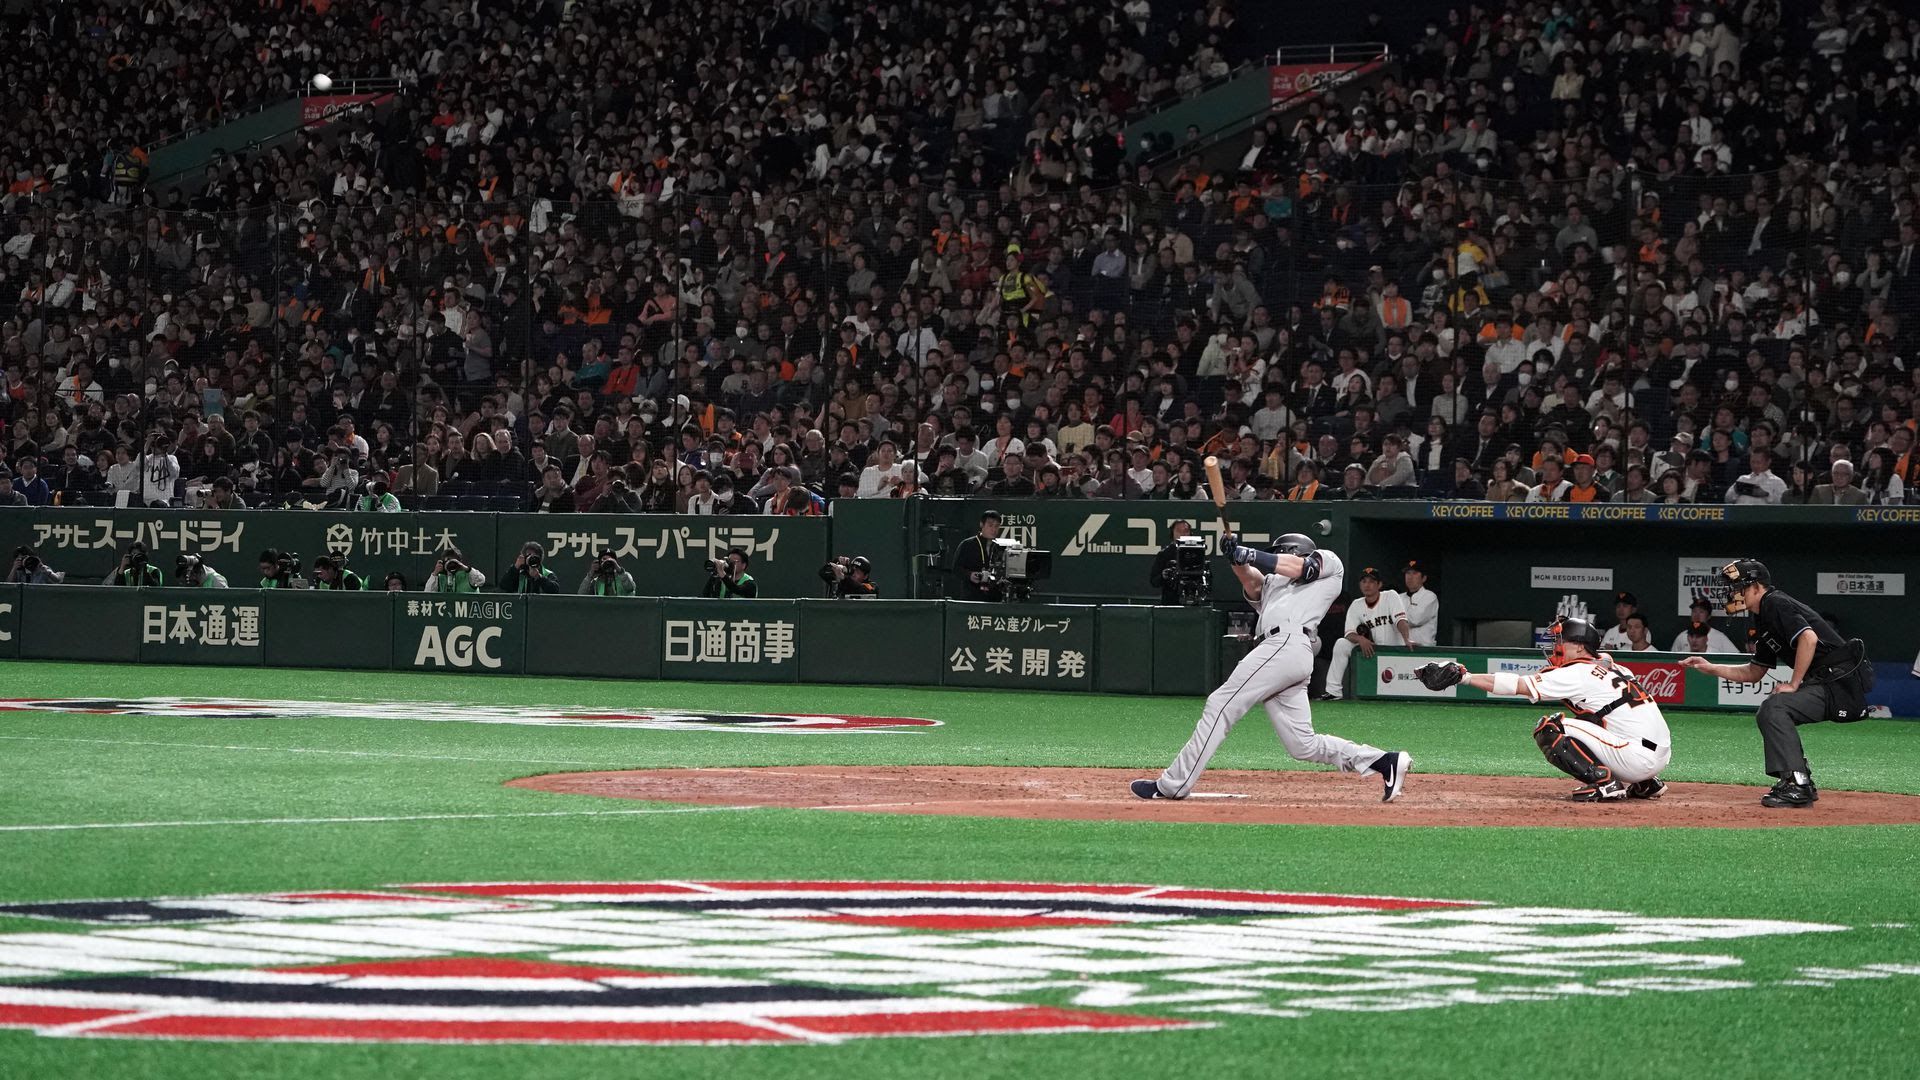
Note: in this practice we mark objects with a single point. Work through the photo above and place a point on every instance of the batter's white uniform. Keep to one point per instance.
(1274, 673)
(1423, 616)
(1631, 738)
(1380, 622)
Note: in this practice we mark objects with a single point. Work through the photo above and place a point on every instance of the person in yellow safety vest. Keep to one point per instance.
(1021, 291)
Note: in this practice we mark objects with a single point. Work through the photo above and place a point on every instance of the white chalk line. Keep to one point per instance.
(316, 750)
(364, 820)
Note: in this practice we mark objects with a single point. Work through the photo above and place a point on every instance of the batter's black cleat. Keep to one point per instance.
(1393, 767)
(1789, 795)
(1146, 789)
(1647, 789)
(1610, 791)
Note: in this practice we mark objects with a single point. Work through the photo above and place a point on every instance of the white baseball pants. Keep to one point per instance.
(1342, 663)
(1275, 673)
(1625, 755)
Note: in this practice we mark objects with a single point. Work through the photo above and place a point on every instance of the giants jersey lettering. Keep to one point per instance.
(1589, 687)
(1379, 621)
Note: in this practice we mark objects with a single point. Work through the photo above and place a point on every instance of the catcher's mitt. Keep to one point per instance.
(1439, 676)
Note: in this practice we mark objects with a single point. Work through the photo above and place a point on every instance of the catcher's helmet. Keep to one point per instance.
(1572, 632)
(1735, 577)
(1295, 544)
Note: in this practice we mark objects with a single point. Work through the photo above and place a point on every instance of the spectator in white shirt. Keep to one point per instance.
(124, 473)
(968, 456)
(878, 479)
(1273, 418)
(1760, 487)
(916, 341)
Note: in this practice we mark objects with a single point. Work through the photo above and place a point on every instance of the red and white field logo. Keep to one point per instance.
(797, 962)
(464, 713)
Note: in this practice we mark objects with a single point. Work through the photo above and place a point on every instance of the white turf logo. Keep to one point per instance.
(824, 961)
(458, 712)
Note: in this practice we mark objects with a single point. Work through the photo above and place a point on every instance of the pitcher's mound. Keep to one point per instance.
(1238, 797)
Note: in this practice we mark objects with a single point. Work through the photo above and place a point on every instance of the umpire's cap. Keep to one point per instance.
(1295, 544)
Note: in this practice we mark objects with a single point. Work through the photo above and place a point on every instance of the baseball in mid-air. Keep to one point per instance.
(323, 81)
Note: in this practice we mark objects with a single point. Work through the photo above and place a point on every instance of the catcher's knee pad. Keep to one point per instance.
(1568, 754)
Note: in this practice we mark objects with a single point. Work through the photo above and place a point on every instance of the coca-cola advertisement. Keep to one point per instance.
(319, 110)
(1292, 80)
(1666, 684)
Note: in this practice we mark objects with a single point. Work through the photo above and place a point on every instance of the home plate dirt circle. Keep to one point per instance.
(1238, 797)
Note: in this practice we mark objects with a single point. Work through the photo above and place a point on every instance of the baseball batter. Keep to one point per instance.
(1616, 742)
(1292, 586)
(1379, 617)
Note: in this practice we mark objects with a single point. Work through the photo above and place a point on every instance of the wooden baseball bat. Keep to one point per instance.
(1219, 488)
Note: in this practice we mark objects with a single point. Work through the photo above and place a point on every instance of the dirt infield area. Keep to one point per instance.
(1226, 797)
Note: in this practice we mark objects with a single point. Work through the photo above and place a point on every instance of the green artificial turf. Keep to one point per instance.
(71, 768)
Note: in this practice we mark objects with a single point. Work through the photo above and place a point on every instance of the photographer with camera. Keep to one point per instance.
(1166, 566)
(135, 570)
(451, 574)
(622, 495)
(606, 577)
(159, 472)
(192, 572)
(849, 578)
(529, 574)
(728, 579)
(330, 573)
(379, 499)
(337, 480)
(972, 564)
(29, 570)
(280, 570)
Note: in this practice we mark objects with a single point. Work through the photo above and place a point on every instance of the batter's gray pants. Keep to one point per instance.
(1274, 673)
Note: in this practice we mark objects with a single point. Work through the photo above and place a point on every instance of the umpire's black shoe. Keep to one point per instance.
(1788, 794)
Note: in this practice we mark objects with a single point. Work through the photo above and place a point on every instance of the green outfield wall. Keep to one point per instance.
(1119, 649)
(1506, 564)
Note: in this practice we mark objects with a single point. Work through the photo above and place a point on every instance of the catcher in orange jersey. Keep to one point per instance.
(1616, 742)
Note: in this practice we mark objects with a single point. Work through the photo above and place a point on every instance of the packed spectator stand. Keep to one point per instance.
(737, 258)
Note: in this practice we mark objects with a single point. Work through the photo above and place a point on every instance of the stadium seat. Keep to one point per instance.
(437, 502)
(470, 502)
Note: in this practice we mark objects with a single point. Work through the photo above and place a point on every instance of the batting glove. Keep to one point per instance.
(1242, 555)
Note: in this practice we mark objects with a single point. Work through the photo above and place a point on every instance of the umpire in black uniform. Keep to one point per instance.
(1831, 675)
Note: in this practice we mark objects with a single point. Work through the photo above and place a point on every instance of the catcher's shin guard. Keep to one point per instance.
(1567, 753)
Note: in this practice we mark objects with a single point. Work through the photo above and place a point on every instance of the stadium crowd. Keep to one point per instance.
(733, 257)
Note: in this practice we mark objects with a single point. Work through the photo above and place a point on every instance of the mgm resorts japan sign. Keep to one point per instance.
(822, 962)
